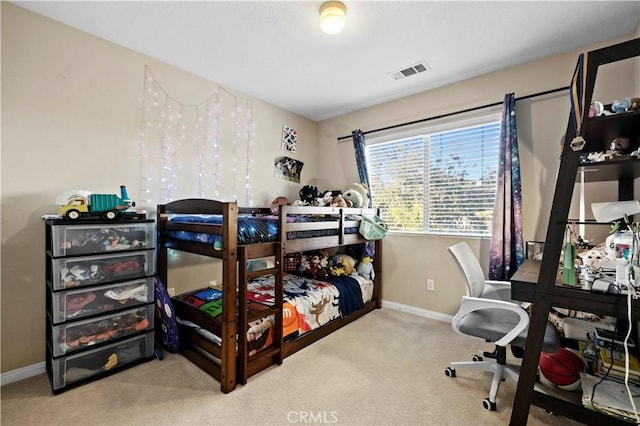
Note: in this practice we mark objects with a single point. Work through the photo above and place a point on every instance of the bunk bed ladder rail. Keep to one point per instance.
(249, 365)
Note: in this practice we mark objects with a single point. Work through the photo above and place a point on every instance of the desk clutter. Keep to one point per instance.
(598, 370)
(605, 379)
(612, 266)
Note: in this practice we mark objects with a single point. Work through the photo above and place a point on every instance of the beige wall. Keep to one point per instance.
(71, 115)
(69, 99)
(408, 259)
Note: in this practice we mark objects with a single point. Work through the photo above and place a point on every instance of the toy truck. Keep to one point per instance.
(106, 206)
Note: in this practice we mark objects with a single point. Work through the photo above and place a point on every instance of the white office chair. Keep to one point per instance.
(487, 312)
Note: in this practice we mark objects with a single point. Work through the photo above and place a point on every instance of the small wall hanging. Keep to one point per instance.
(288, 169)
(289, 138)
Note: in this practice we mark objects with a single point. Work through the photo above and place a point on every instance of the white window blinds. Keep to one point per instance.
(437, 183)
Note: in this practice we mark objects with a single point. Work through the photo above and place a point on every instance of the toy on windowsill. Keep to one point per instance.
(82, 204)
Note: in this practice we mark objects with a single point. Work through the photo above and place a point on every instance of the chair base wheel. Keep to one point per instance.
(477, 358)
(449, 372)
(488, 405)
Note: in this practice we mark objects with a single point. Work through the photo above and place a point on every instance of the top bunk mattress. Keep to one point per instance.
(252, 229)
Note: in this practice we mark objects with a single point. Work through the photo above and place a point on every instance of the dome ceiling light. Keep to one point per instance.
(333, 15)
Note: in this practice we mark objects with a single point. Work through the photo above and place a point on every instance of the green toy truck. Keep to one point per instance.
(106, 206)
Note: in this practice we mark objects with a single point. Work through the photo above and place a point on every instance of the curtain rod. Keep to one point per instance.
(422, 120)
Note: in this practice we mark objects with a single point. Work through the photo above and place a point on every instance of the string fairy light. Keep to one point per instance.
(250, 141)
(171, 129)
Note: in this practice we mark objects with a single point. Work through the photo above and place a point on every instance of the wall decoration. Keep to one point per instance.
(288, 169)
(214, 138)
(289, 138)
(534, 250)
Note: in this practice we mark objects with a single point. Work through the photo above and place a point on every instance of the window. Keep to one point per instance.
(437, 181)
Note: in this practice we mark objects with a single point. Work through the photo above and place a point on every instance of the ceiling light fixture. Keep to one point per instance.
(332, 17)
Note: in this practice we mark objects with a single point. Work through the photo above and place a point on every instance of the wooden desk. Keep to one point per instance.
(523, 288)
(525, 280)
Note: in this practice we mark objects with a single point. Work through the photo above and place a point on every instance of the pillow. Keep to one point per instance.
(259, 265)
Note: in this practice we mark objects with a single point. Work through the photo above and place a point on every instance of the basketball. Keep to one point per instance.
(562, 368)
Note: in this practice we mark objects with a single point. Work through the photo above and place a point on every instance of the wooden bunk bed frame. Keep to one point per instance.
(230, 362)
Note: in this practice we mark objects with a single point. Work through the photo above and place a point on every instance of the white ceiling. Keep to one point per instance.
(276, 52)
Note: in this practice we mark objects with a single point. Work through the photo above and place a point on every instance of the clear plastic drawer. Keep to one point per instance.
(73, 240)
(69, 337)
(90, 270)
(92, 363)
(79, 303)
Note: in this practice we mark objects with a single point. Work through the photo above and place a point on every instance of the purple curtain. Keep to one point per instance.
(361, 162)
(507, 246)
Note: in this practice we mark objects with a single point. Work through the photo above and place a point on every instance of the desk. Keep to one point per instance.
(523, 288)
(525, 280)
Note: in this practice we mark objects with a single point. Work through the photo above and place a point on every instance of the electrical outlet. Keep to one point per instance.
(171, 291)
(430, 284)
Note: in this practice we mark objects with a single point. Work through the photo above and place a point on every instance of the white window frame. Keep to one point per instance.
(451, 123)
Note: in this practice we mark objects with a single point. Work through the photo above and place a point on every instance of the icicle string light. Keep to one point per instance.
(250, 141)
(172, 133)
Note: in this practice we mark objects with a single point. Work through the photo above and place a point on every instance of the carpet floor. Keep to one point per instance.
(386, 368)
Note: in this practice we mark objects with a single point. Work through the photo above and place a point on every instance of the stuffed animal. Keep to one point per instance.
(304, 264)
(345, 261)
(365, 268)
(339, 201)
(314, 266)
(336, 270)
(360, 188)
(326, 199)
(309, 195)
(353, 197)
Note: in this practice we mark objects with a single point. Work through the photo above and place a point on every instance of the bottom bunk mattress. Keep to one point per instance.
(308, 304)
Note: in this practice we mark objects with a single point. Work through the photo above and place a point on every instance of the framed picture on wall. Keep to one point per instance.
(534, 250)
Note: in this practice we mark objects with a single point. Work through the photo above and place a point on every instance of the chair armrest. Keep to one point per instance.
(471, 304)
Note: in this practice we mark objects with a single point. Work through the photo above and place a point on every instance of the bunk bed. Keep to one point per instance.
(228, 343)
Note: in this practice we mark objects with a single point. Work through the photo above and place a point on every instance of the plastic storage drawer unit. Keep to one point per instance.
(71, 272)
(73, 240)
(70, 337)
(79, 303)
(78, 367)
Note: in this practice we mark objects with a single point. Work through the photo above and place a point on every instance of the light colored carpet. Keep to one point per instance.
(386, 368)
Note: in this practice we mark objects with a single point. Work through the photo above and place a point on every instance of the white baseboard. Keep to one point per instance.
(39, 368)
(417, 311)
(22, 373)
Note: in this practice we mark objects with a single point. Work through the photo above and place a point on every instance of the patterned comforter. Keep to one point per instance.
(308, 304)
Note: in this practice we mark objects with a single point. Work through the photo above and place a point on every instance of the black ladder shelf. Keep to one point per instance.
(597, 132)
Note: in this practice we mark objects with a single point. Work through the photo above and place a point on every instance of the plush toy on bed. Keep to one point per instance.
(353, 198)
(339, 201)
(345, 263)
(326, 199)
(309, 195)
(304, 263)
(361, 189)
(365, 268)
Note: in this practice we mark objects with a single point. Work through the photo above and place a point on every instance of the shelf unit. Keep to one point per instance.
(536, 281)
(99, 298)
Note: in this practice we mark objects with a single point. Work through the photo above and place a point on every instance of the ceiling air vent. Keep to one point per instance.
(411, 70)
